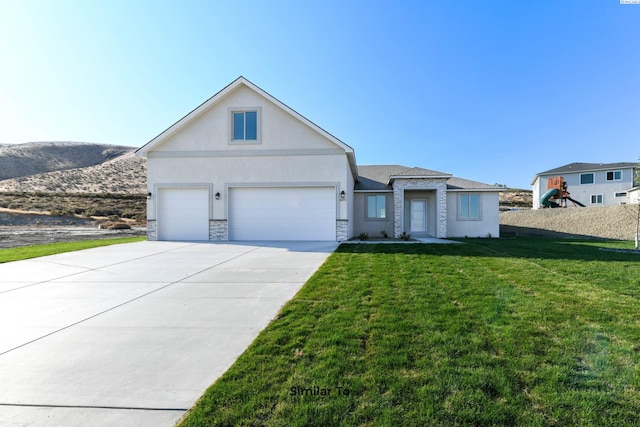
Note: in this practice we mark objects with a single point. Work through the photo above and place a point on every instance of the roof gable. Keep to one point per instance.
(223, 94)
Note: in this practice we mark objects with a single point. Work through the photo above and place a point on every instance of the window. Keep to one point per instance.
(614, 176)
(586, 178)
(469, 206)
(377, 207)
(245, 126)
(621, 194)
(597, 199)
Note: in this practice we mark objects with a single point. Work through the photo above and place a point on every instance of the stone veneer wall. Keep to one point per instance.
(400, 185)
(218, 230)
(342, 230)
(152, 230)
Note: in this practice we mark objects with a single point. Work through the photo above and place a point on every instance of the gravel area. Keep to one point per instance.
(608, 222)
(20, 229)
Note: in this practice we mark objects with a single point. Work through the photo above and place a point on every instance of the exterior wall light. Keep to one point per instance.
(217, 196)
(148, 195)
(343, 195)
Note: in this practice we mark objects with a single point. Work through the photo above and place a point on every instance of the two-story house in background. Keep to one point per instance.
(592, 184)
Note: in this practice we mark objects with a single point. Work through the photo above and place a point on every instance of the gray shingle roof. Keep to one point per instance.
(421, 172)
(377, 177)
(455, 183)
(582, 167)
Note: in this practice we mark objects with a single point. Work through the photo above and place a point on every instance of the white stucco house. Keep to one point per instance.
(245, 166)
(592, 184)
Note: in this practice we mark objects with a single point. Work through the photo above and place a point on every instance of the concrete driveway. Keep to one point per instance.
(133, 334)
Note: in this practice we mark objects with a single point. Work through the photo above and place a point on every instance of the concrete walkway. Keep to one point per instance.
(133, 334)
(428, 240)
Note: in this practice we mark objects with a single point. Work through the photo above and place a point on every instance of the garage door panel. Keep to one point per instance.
(183, 214)
(282, 213)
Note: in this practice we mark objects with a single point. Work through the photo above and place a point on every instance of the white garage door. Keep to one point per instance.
(183, 214)
(301, 213)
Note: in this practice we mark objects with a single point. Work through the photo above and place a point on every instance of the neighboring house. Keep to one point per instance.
(244, 166)
(592, 184)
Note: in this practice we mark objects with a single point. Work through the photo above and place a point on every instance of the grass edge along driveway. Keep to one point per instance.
(35, 251)
(518, 331)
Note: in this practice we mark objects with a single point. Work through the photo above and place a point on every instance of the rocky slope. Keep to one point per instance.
(609, 222)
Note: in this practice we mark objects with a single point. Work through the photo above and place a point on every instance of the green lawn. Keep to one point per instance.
(492, 332)
(25, 252)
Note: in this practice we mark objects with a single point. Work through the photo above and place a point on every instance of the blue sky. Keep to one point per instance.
(492, 90)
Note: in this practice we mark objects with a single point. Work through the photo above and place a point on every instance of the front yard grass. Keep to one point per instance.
(522, 331)
(26, 252)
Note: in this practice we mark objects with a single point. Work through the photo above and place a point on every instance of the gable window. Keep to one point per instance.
(597, 199)
(244, 126)
(377, 207)
(586, 178)
(469, 206)
(614, 176)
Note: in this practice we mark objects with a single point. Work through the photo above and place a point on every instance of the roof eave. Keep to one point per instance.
(392, 177)
(192, 115)
(485, 190)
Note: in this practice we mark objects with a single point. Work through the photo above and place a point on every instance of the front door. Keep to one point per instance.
(418, 216)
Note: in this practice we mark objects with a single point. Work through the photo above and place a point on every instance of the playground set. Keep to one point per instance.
(557, 194)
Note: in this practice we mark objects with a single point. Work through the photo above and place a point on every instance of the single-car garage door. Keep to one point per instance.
(299, 213)
(183, 214)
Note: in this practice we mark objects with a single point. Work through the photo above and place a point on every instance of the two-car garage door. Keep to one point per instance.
(287, 213)
(254, 213)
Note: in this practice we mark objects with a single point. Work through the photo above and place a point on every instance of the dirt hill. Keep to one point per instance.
(514, 198)
(63, 167)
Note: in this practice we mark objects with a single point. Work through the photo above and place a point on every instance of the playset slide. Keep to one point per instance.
(557, 190)
(545, 199)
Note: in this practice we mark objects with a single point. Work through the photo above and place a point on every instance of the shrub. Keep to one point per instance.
(384, 234)
(114, 225)
(405, 236)
(363, 236)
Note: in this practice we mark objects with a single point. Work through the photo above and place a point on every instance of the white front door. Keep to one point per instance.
(418, 216)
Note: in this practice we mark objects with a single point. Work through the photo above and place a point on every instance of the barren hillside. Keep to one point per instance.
(71, 167)
(32, 158)
(126, 174)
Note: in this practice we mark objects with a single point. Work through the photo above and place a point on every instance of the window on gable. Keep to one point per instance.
(469, 206)
(586, 178)
(597, 199)
(614, 176)
(377, 207)
(245, 125)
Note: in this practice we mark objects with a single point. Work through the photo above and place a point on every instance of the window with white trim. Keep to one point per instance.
(469, 206)
(621, 194)
(377, 207)
(597, 199)
(244, 126)
(614, 176)
(587, 178)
